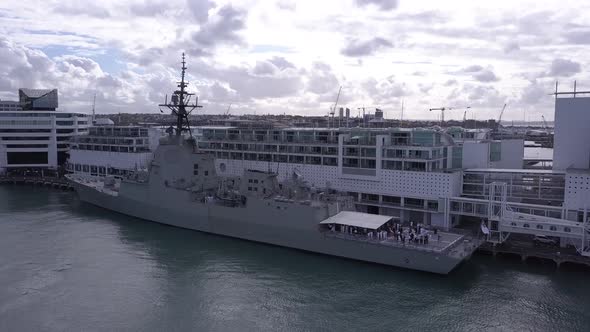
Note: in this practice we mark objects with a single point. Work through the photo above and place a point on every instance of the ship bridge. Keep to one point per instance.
(500, 218)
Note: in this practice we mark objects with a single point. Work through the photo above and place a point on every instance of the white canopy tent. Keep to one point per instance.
(358, 219)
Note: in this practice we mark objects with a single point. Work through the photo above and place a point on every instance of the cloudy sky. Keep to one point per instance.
(291, 57)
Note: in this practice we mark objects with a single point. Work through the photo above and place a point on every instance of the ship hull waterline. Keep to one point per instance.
(306, 240)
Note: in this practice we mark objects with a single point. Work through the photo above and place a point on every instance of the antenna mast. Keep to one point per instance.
(401, 120)
(180, 104)
(94, 109)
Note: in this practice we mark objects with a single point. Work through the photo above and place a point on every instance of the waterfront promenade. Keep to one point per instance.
(48, 181)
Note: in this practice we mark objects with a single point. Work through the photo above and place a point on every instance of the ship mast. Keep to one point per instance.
(180, 104)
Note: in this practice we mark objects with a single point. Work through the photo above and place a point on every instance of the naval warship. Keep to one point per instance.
(181, 188)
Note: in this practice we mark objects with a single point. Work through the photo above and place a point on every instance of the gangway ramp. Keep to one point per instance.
(515, 222)
(522, 218)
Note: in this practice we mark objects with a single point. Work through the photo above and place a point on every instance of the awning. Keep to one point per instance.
(358, 219)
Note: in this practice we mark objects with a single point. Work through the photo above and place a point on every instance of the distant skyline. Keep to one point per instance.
(292, 56)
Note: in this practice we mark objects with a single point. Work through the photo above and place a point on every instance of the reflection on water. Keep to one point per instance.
(66, 265)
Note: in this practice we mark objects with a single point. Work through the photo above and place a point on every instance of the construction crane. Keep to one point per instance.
(549, 138)
(226, 114)
(401, 119)
(333, 109)
(545, 123)
(94, 110)
(443, 109)
(501, 113)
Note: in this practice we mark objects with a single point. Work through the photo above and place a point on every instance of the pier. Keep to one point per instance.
(530, 253)
(53, 182)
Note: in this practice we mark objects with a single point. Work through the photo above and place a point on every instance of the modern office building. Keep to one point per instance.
(38, 99)
(395, 171)
(8, 105)
(33, 134)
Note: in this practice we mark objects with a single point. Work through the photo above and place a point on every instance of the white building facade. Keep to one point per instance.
(113, 150)
(34, 137)
(400, 172)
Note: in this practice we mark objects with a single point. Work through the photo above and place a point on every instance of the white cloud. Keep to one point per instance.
(293, 55)
(382, 4)
(564, 67)
(366, 47)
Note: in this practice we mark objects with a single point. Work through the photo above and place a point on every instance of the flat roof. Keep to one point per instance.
(217, 127)
(335, 129)
(516, 170)
(358, 219)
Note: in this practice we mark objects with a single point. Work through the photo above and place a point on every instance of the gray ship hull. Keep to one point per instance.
(267, 227)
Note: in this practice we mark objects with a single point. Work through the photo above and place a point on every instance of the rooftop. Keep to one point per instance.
(358, 219)
(36, 93)
(341, 129)
(523, 171)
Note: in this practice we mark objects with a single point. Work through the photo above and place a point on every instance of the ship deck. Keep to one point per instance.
(451, 244)
(93, 183)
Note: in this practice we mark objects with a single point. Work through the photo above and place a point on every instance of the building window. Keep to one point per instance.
(206, 173)
(195, 172)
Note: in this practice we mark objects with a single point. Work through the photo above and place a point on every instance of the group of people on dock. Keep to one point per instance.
(412, 234)
(416, 234)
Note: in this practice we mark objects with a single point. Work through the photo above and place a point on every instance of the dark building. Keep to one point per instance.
(38, 99)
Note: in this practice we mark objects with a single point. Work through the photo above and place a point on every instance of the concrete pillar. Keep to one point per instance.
(52, 145)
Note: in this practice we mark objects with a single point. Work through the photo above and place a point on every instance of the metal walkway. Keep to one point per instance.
(502, 218)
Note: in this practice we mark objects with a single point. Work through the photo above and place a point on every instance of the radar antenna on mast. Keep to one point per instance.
(180, 104)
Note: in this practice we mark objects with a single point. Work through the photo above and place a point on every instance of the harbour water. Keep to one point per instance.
(69, 266)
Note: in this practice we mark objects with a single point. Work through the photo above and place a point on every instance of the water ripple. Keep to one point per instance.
(66, 265)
